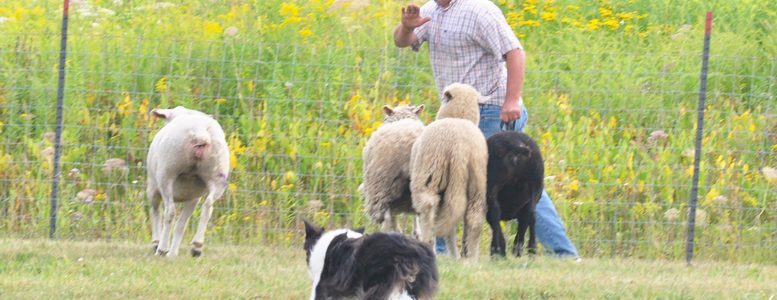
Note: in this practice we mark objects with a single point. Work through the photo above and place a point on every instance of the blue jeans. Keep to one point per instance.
(549, 228)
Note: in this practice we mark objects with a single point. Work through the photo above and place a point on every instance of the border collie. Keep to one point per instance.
(345, 263)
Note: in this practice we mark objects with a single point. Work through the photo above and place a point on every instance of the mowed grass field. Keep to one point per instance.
(43, 269)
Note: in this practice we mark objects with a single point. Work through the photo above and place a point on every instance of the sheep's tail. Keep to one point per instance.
(200, 144)
(454, 196)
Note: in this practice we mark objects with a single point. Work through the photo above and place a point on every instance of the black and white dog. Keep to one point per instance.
(346, 264)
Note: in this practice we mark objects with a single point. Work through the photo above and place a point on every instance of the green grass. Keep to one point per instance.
(36, 269)
(300, 88)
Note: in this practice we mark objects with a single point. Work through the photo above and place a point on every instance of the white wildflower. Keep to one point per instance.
(658, 136)
(87, 195)
(672, 214)
(114, 164)
(720, 200)
(770, 174)
(50, 136)
(701, 217)
(230, 31)
(682, 32)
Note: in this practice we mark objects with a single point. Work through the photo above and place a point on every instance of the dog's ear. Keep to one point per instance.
(312, 230)
(359, 230)
(312, 233)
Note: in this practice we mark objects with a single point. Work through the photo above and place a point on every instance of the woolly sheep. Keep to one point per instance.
(188, 158)
(386, 157)
(448, 172)
(515, 174)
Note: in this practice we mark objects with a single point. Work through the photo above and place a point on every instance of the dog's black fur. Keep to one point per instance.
(373, 266)
(515, 184)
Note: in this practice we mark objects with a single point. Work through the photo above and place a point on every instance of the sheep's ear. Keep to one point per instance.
(387, 110)
(448, 96)
(162, 113)
(359, 230)
(418, 109)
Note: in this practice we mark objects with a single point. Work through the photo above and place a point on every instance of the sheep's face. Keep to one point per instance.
(460, 101)
(401, 112)
(169, 114)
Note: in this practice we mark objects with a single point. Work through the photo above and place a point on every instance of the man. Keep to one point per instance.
(470, 42)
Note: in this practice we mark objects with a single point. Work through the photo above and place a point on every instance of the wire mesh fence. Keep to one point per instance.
(616, 130)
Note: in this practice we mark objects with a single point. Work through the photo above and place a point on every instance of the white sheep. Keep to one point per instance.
(386, 167)
(448, 167)
(187, 159)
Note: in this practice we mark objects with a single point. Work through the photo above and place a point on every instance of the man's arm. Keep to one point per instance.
(515, 60)
(404, 37)
(411, 18)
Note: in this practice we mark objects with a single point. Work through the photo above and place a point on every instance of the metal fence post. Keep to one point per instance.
(58, 136)
(697, 156)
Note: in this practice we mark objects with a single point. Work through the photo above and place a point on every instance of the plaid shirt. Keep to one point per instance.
(467, 43)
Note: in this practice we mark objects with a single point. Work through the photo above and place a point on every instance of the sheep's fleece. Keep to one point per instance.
(188, 158)
(386, 167)
(448, 172)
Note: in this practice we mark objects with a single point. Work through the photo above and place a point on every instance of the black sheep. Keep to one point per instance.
(515, 184)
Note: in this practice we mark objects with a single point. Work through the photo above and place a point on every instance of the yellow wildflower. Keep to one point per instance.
(161, 85)
(592, 25)
(529, 23)
(627, 16)
(291, 151)
(605, 12)
(548, 16)
(290, 177)
(613, 122)
(289, 10)
(305, 32)
(546, 137)
(529, 8)
(611, 23)
(124, 107)
(20, 13)
(233, 160)
(290, 13)
(143, 109)
(574, 185)
(232, 187)
(212, 28)
(235, 144)
(566, 20)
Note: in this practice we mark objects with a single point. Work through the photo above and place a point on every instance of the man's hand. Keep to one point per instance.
(411, 17)
(511, 110)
